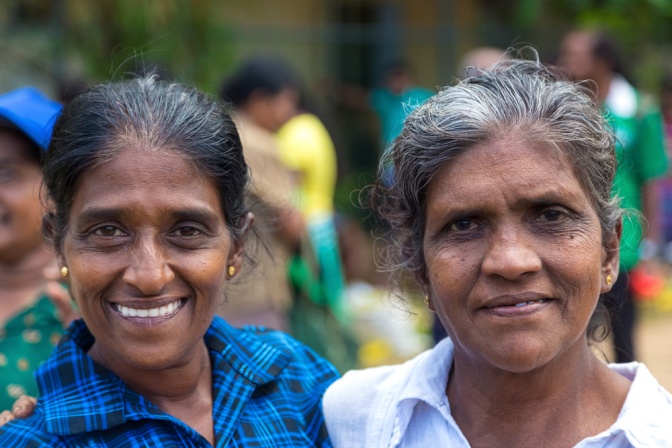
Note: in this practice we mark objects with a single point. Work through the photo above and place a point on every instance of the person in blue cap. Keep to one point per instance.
(30, 324)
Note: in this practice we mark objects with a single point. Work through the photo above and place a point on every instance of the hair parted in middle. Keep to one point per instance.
(146, 113)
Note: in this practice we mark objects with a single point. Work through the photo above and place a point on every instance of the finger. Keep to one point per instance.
(5, 417)
(24, 406)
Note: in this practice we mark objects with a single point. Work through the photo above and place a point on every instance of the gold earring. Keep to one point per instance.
(232, 271)
(65, 272)
(609, 278)
(426, 300)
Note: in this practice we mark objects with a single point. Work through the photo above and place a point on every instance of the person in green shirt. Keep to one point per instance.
(640, 150)
(30, 322)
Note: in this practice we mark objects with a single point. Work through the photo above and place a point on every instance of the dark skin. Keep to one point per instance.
(516, 262)
(27, 265)
(154, 252)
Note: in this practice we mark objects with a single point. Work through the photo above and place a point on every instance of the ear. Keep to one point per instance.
(611, 258)
(50, 234)
(423, 281)
(237, 250)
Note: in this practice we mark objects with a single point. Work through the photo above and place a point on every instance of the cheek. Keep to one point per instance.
(210, 272)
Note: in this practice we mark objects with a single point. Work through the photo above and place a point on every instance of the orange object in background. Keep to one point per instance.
(647, 283)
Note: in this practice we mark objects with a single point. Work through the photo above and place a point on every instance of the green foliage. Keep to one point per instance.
(118, 36)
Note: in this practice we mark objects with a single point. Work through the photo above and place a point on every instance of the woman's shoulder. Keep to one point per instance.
(647, 410)
(355, 406)
(359, 408)
(269, 353)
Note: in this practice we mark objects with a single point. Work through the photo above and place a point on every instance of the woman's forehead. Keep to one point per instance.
(145, 176)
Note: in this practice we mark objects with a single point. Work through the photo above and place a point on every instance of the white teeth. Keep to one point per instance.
(529, 303)
(152, 312)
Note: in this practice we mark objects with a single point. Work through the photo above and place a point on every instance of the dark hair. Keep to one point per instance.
(521, 96)
(152, 113)
(605, 48)
(267, 74)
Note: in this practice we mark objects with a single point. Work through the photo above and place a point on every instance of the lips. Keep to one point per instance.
(516, 305)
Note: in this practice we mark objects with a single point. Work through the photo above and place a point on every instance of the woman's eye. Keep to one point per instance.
(463, 224)
(109, 231)
(187, 231)
(552, 215)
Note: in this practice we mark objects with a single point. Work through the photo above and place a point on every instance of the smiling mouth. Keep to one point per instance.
(521, 304)
(163, 312)
(508, 306)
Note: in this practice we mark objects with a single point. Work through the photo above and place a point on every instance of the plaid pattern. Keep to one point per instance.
(267, 393)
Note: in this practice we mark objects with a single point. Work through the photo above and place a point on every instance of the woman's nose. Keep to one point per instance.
(148, 269)
(510, 255)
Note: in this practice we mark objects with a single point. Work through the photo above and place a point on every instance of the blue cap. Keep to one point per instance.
(31, 112)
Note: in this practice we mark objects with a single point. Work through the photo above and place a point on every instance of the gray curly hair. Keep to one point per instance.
(514, 96)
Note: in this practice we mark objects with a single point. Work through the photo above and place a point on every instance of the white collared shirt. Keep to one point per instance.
(406, 406)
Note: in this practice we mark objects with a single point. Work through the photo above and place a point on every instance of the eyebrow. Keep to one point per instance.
(452, 211)
(95, 214)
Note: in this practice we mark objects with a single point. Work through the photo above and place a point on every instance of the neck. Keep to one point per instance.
(493, 407)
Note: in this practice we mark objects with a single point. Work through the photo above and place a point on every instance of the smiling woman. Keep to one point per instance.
(29, 321)
(147, 185)
(501, 209)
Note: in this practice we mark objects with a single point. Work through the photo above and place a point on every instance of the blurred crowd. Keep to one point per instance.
(312, 265)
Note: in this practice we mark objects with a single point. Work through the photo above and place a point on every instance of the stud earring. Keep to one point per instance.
(609, 279)
(232, 271)
(65, 272)
(426, 300)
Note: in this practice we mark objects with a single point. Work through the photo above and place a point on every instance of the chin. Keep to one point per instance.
(523, 358)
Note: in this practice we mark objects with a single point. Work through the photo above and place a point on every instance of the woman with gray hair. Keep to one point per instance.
(501, 208)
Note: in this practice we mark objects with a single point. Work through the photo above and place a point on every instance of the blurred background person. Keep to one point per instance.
(396, 98)
(264, 94)
(640, 150)
(666, 183)
(319, 315)
(29, 323)
(307, 150)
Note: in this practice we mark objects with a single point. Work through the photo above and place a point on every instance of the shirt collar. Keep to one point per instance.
(643, 418)
(430, 377)
(645, 413)
(426, 382)
(78, 395)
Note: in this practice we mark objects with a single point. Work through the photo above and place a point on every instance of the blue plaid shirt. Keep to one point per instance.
(267, 390)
